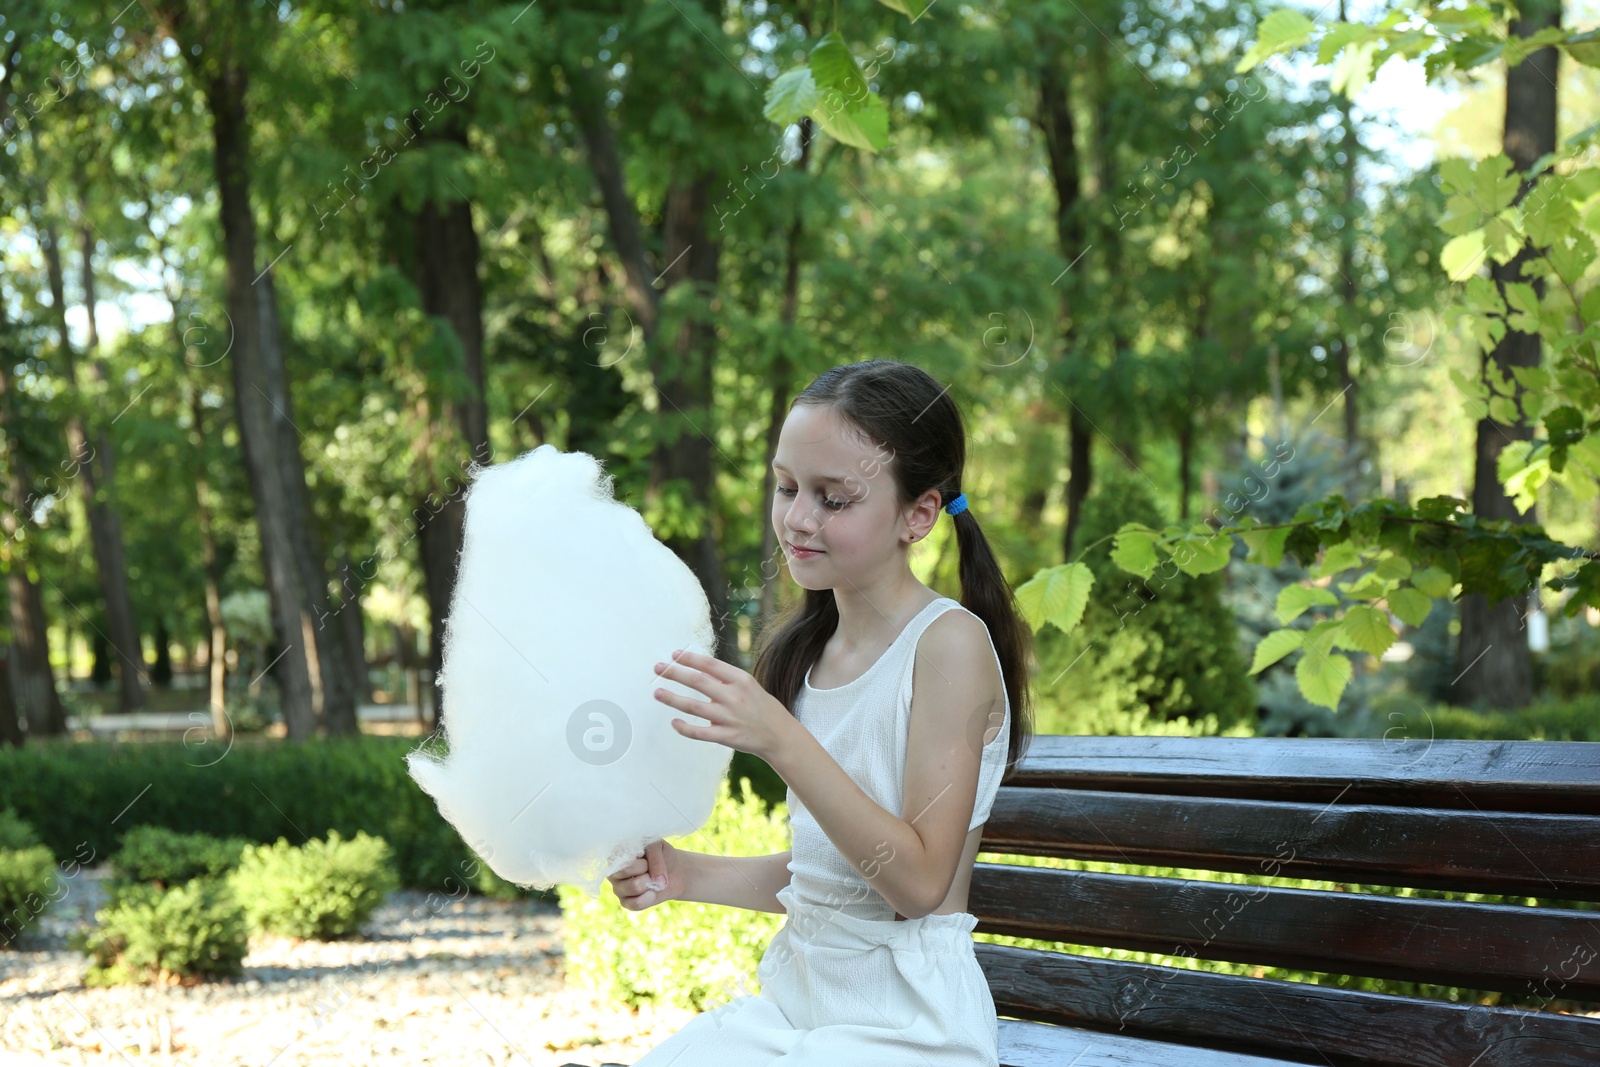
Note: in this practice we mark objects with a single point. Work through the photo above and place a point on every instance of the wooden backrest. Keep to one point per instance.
(1510, 818)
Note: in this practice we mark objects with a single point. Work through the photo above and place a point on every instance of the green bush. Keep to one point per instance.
(1151, 656)
(261, 790)
(27, 883)
(186, 933)
(322, 889)
(1403, 716)
(684, 953)
(15, 833)
(164, 857)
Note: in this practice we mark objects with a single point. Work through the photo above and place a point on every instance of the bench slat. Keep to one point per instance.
(1479, 946)
(1030, 1044)
(1272, 1017)
(1549, 776)
(1554, 856)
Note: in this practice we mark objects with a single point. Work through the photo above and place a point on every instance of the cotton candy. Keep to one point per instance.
(561, 764)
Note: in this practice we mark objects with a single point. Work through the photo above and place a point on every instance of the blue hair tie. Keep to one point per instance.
(958, 505)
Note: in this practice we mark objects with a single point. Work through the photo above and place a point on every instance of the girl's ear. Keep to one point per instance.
(921, 516)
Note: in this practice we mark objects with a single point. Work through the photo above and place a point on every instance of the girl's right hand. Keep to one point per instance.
(656, 875)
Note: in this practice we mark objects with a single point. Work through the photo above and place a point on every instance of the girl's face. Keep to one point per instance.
(834, 493)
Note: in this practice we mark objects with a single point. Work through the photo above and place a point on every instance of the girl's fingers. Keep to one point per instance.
(709, 665)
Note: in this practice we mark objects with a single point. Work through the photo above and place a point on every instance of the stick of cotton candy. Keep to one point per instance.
(561, 764)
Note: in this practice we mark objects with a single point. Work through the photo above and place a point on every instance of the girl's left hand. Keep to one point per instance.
(743, 715)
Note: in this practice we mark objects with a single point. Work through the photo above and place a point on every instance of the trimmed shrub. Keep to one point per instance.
(684, 953)
(166, 858)
(27, 876)
(1403, 716)
(262, 790)
(184, 934)
(322, 889)
(27, 883)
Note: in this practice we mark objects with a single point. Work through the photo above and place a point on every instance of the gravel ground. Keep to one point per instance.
(472, 982)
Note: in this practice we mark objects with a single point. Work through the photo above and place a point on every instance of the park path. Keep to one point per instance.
(471, 982)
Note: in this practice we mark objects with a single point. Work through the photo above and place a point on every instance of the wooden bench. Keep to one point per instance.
(1501, 818)
(1487, 817)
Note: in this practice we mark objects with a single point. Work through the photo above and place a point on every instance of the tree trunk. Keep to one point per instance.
(95, 472)
(622, 218)
(445, 269)
(1492, 659)
(1109, 238)
(1079, 471)
(1185, 466)
(443, 257)
(1347, 285)
(780, 385)
(1058, 125)
(265, 417)
(326, 662)
(683, 376)
(10, 726)
(355, 632)
(33, 685)
(161, 669)
(216, 631)
(100, 672)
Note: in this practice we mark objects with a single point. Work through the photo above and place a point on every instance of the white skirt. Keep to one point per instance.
(839, 990)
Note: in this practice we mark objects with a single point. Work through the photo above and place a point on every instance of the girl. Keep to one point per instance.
(907, 708)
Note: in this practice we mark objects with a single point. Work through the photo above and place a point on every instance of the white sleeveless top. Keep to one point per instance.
(863, 725)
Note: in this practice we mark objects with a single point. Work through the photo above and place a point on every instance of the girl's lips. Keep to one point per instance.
(804, 553)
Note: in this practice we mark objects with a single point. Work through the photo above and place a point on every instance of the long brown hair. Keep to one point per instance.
(906, 411)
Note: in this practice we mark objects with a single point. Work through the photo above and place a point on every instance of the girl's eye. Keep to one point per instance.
(831, 505)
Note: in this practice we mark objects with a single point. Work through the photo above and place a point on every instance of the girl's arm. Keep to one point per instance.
(749, 882)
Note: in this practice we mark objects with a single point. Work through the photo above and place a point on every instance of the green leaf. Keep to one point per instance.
(1056, 595)
(1322, 636)
(835, 67)
(1266, 546)
(1433, 581)
(914, 8)
(1440, 508)
(1369, 586)
(1368, 629)
(1323, 678)
(1474, 52)
(1134, 549)
(1455, 174)
(1502, 238)
(1341, 34)
(1280, 31)
(1462, 256)
(1585, 586)
(791, 97)
(1202, 552)
(1393, 567)
(1411, 606)
(866, 128)
(1293, 600)
(1585, 48)
(1336, 558)
(1352, 71)
(1571, 258)
(1495, 182)
(1591, 305)
(1275, 646)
